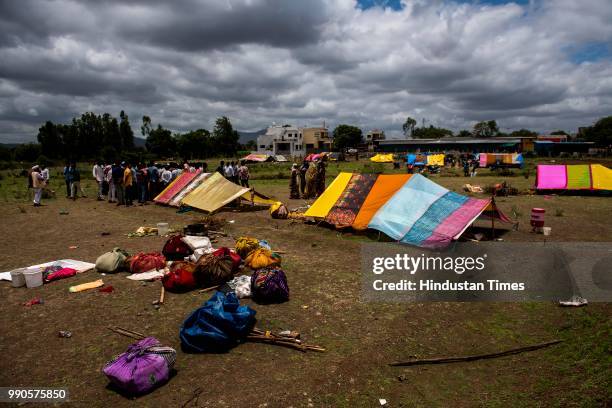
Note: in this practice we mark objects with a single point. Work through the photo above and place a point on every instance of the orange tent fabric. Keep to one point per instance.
(385, 187)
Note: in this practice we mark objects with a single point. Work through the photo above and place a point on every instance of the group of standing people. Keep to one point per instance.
(118, 183)
(307, 180)
(123, 183)
(235, 172)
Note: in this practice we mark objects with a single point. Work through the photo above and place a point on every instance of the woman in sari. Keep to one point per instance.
(294, 190)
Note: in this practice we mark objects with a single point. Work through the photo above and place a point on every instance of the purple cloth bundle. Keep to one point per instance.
(144, 366)
(269, 285)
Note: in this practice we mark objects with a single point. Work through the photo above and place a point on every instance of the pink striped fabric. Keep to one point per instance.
(182, 180)
(455, 223)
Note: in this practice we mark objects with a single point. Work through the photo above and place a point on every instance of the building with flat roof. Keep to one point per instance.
(283, 140)
(316, 139)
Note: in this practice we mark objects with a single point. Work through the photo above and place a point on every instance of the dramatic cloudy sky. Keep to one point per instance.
(540, 64)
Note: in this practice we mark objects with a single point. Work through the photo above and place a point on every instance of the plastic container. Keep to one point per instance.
(546, 230)
(537, 218)
(17, 278)
(33, 277)
(162, 228)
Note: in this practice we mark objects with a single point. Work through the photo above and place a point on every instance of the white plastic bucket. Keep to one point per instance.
(33, 277)
(546, 230)
(17, 278)
(162, 228)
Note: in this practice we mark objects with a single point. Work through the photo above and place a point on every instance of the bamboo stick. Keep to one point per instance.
(444, 360)
(162, 295)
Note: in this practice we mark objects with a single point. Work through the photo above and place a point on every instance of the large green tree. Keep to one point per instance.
(50, 140)
(464, 133)
(126, 134)
(600, 132)
(225, 138)
(431, 132)
(347, 136)
(523, 133)
(160, 142)
(196, 144)
(409, 125)
(486, 129)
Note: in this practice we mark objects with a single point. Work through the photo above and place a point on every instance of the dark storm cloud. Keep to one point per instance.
(186, 62)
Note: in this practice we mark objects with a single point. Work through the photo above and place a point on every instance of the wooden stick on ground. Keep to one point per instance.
(126, 333)
(209, 289)
(476, 356)
(195, 397)
(162, 295)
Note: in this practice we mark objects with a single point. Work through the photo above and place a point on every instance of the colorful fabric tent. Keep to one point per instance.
(215, 192)
(435, 160)
(418, 159)
(382, 158)
(506, 159)
(175, 187)
(258, 158)
(196, 181)
(409, 208)
(208, 192)
(573, 177)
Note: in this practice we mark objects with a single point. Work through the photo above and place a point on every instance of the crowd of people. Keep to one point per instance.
(119, 183)
(234, 172)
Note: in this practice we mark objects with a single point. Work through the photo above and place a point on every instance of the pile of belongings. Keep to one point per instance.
(472, 188)
(143, 367)
(220, 324)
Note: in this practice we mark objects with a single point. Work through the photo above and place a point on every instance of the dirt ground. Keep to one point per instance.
(326, 306)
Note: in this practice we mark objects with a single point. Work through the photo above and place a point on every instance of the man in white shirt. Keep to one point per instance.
(98, 175)
(38, 183)
(228, 171)
(166, 176)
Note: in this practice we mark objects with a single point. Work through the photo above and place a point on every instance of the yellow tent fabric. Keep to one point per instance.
(601, 176)
(326, 201)
(435, 160)
(382, 158)
(214, 193)
(258, 198)
(384, 188)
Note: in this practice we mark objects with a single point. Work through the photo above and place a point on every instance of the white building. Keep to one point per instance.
(284, 140)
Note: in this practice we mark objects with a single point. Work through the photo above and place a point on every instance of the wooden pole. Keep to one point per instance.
(475, 357)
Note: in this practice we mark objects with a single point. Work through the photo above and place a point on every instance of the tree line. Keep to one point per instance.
(104, 137)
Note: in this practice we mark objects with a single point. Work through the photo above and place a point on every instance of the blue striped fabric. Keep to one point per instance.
(435, 214)
(407, 206)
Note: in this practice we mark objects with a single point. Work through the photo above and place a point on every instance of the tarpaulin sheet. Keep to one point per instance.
(382, 158)
(175, 187)
(578, 177)
(435, 160)
(551, 177)
(346, 208)
(215, 192)
(326, 201)
(602, 177)
(384, 188)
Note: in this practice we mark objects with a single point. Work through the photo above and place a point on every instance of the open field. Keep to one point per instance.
(323, 272)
